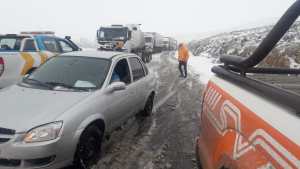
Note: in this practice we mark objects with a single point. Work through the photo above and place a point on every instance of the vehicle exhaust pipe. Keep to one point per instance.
(262, 51)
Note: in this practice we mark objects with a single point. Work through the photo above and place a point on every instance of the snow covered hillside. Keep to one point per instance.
(244, 42)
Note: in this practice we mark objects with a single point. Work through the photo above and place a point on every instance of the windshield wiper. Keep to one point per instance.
(37, 82)
(65, 85)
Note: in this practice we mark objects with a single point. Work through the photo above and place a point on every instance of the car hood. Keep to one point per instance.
(23, 108)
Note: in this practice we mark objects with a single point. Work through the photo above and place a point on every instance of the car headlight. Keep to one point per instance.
(43, 133)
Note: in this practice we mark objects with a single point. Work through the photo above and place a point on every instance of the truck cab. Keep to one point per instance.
(21, 53)
(149, 42)
(129, 36)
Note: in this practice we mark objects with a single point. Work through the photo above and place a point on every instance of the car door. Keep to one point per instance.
(64, 46)
(120, 102)
(139, 82)
(31, 55)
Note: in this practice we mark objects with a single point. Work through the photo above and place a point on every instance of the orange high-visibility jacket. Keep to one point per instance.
(183, 54)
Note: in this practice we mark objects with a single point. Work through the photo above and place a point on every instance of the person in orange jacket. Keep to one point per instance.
(183, 56)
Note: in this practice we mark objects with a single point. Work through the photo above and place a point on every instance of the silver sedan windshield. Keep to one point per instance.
(72, 72)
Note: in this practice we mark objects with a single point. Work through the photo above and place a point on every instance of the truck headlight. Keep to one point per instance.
(43, 133)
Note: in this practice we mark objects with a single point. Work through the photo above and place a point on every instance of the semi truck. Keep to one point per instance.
(149, 40)
(129, 38)
(169, 43)
(166, 43)
(173, 43)
(158, 42)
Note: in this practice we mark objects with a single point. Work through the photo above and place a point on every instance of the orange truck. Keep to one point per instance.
(250, 115)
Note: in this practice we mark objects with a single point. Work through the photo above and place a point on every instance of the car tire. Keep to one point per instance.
(88, 151)
(147, 59)
(147, 111)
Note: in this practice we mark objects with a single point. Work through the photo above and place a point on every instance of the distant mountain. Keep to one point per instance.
(244, 42)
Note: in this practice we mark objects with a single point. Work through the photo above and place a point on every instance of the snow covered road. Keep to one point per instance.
(200, 66)
(166, 140)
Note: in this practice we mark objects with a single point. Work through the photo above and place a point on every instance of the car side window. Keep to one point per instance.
(136, 68)
(29, 46)
(51, 45)
(145, 69)
(65, 47)
(121, 72)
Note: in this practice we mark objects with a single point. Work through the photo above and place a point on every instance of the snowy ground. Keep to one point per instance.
(200, 66)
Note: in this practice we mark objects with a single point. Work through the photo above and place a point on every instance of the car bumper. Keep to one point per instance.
(45, 155)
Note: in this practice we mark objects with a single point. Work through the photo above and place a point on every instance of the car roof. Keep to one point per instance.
(95, 54)
(27, 36)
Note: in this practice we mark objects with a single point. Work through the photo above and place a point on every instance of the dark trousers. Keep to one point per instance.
(183, 72)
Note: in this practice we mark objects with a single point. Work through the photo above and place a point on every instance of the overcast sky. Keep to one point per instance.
(81, 18)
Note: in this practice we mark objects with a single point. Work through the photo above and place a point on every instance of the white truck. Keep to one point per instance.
(128, 38)
(166, 43)
(173, 43)
(158, 42)
(21, 54)
(169, 43)
(149, 40)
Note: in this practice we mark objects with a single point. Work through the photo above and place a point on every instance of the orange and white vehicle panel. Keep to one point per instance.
(20, 54)
(240, 129)
(14, 65)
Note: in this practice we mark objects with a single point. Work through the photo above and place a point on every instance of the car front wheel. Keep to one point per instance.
(89, 148)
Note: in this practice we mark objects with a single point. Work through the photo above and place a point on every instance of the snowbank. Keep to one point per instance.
(201, 66)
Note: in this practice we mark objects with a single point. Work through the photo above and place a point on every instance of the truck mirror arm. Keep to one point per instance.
(282, 26)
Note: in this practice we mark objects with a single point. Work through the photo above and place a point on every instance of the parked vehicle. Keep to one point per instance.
(166, 43)
(173, 44)
(128, 38)
(64, 111)
(250, 115)
(158, 42)
(149, 42)
(20, 54)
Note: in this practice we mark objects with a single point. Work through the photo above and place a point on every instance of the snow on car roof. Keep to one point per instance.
(95, 54)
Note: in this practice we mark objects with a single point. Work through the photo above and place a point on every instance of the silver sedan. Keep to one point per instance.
(58, 115)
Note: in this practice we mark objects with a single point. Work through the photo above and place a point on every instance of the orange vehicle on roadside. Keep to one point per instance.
(250, 115)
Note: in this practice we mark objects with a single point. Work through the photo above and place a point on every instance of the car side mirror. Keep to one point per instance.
(116, 86)
(68, 37)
